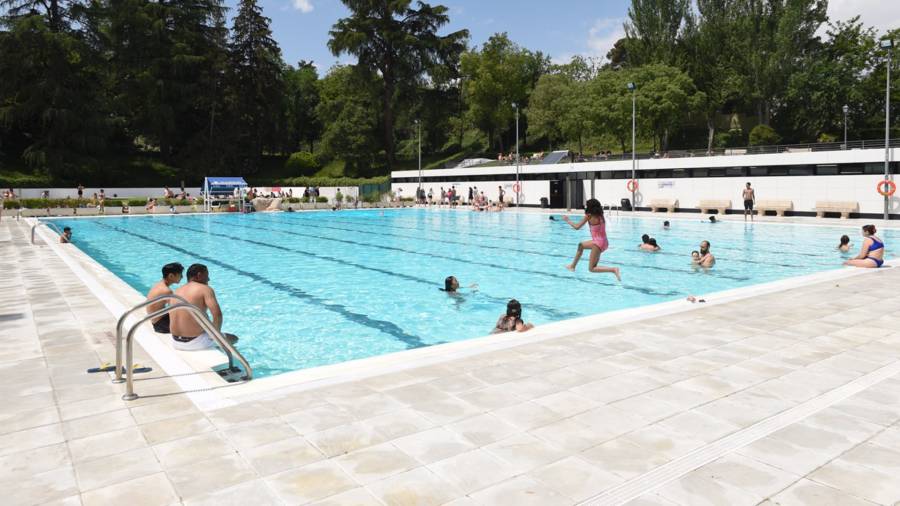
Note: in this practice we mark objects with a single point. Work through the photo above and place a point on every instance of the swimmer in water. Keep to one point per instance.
(593, 215)
(451, 285)
(844, 246)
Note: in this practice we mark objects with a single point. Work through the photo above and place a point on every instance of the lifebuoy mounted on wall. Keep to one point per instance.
(632, 185)
(517, 188)
(887, 188)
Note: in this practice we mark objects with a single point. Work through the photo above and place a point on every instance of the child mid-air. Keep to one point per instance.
(593, 215)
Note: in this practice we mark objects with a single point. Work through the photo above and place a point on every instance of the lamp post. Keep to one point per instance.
(889, 45)
(518, 187)
(846, 109)
(419, 192)
(633, 87)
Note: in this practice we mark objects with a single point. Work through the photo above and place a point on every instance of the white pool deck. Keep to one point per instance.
(783, 395)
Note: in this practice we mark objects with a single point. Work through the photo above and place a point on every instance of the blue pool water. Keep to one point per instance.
(309, 289)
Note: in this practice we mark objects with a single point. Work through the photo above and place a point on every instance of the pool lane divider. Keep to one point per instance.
(646, 291)
(384, 326)
(484, 246)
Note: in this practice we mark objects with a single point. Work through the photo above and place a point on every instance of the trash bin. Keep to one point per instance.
(625, 205)
(545, 202)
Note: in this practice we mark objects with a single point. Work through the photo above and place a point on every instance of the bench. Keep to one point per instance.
(778, 206)
(667, 204)
(829, 206)
(707, 206)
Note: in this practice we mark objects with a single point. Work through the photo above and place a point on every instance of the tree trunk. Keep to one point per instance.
(54, 17)
(388, 112)
(711, 126)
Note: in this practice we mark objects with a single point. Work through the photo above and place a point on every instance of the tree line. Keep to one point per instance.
(86, 80)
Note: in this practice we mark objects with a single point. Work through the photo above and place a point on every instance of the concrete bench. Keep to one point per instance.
(667, 204)
(778, 206)
(708, 205)
(829, 206)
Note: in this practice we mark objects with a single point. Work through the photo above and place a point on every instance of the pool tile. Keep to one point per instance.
(152, 490)
(187, 450)
(376, 463)
(806, 492)
(43, 487)
(259, 432)
(109, 443)
(526, 452)
(399, 423)
(345, 438)
(433, 445)
(520, 491)
(418, 487)
(115, 469)
(282, 455)
(483, 429)
(30, 438)
(254, 492)
(867, 482)
(310, 483)
(176, 428)
(208, 476)
(353, 497)
(15, 466)
(576, 478)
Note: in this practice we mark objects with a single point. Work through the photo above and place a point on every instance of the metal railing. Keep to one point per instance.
(182, 305)
(50, 225)
(693, 153)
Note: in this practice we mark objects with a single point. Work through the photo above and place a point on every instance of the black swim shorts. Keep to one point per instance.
(748, 205)
(161, 326)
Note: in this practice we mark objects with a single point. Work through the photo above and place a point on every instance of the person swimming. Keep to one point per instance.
(871, 254)
(844, 246)
(666, 225)
(593, 215)
(512, 320)
(695, 257)
(712, 219)
(451, 285)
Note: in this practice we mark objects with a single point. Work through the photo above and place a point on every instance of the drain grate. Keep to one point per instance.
(656, 478)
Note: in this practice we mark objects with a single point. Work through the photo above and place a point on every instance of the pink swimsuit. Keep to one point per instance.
(598, 235)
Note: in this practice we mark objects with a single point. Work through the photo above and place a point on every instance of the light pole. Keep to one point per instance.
(419, 192)
(633, 87)
(889, 45)
(518, 188)
(846, 110)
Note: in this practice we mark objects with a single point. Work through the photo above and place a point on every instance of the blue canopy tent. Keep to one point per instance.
(222, 187)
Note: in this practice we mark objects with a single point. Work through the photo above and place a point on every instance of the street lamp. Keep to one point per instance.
(846, 109)
(887, 44)
(633, 87)
(420, 191)
(518, 187)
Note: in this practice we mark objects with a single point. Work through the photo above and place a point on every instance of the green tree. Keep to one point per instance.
(256, 86)
(500, 74)
(302, 97)
(350, 115)
(400, 44)
(547, 106)
(654, 30)
(665, 97)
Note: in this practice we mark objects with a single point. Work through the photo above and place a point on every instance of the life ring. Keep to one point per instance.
(887, 188)
(632, 185)
(516, 188)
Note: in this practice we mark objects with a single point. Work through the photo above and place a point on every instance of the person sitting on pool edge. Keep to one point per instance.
(844, 246)
(706, 258)
(66, 236)
(871, 254)
(171, 275)
(512, 320)
(187, 334)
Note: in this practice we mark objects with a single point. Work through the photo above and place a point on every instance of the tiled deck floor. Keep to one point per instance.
(554, 422)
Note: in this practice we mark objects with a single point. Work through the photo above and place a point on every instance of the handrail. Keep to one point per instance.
(49, 225)
(121, 325)
(201, 319)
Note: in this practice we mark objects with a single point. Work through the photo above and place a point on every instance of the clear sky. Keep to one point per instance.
(559, 28)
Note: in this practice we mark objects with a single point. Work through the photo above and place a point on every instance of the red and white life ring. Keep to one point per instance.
(517, 188)
(887, 188)
(632, 185)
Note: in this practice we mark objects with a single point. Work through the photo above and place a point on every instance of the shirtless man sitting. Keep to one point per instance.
(187, 334)
(171, 274)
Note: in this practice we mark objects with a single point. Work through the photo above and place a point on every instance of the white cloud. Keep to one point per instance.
(603, 35)
(881, 14)
(303, 6)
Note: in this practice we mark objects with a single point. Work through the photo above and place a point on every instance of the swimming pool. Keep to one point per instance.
(310, 289)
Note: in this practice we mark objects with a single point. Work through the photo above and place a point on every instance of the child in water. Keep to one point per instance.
(695, 257)
(512, 320)
(593, 215)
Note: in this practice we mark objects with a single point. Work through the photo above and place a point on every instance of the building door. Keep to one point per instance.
(557, 199)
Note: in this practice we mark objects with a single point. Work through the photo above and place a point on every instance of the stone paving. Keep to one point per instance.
(554, 422)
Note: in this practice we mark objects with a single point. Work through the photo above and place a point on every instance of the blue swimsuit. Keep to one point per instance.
(875, 246)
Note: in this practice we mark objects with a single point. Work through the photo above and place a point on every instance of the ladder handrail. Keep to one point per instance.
(120, 325)
(49, 225)
(201, 319)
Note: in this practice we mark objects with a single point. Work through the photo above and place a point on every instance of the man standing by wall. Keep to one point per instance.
(749, 199)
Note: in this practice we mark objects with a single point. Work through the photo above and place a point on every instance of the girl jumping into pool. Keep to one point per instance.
(593, 215)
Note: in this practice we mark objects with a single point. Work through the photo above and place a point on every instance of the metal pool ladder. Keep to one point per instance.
(182, 305)
(49, 224)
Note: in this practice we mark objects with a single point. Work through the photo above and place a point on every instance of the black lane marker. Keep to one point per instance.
(812, 255)
(646, 291)
(386, 327)
(306, 223)
(548, 311)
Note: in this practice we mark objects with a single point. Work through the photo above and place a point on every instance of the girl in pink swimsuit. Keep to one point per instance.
(593, 215)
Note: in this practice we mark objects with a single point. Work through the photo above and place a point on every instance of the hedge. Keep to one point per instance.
(72, 203)
(332, 181)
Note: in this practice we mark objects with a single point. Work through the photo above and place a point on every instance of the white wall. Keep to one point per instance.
(61, 193)
(531, 193)
(804, 191)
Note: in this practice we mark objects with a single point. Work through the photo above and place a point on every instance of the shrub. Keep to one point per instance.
(11, 204)
(326, 182)
(826, 137)
(137, 202)
(348, 198)
(293, 200)
(302, 162)
(321, 199)
(763, 135)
